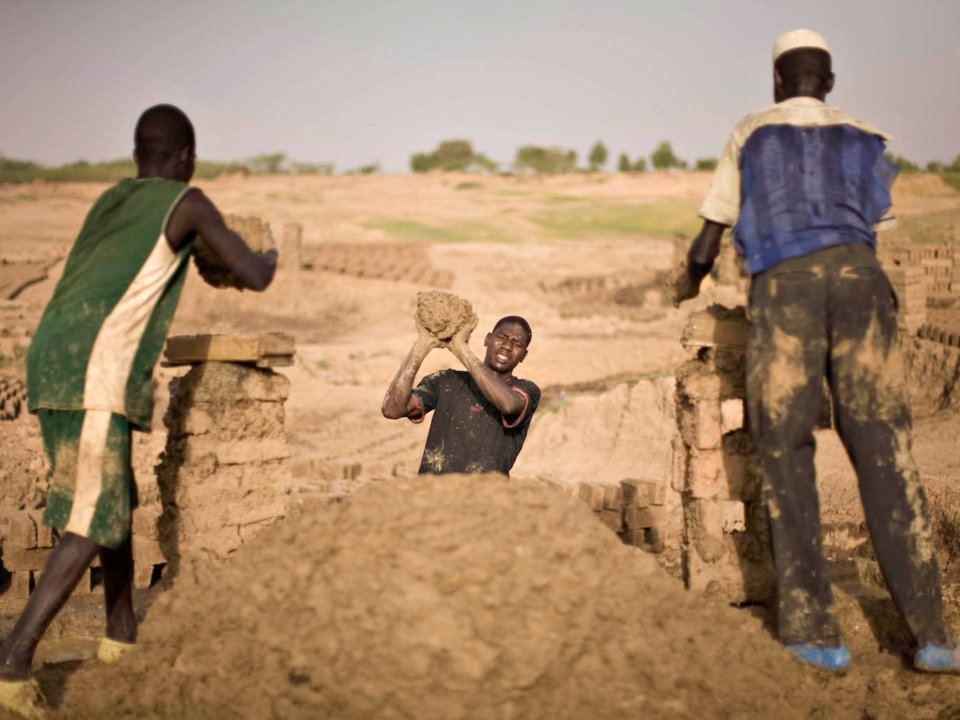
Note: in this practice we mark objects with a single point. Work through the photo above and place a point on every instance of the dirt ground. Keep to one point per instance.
(464, 599)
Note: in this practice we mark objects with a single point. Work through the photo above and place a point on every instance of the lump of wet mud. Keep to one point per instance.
(254, 232)
(448, 597)
(442, 314)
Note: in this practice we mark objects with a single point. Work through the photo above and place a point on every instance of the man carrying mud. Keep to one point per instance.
(481, 414)
(89, 377)
(805, 185)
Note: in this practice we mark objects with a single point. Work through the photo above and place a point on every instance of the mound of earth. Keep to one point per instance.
(442, 314)
(255, 233)
(444, 597)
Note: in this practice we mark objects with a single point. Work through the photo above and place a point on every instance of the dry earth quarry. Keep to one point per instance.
(291, 565)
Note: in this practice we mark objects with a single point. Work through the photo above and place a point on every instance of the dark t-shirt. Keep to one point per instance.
(468, 434)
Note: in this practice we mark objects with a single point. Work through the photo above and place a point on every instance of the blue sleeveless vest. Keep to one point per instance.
(809, 188)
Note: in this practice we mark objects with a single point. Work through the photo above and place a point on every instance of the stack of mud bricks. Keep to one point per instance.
(26, 545)
(911, 291)
(224, 474)
(380, 261)
(725, 548)
(633, 509)
(941, 266)
(27, 542)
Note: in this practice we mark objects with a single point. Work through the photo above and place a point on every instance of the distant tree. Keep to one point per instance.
(623, 163)
(545, 161)
(421, 163)
(267, 164)
(935, 166)
(452, 156)
(371, 169)
(955, 165)
(298, 168)
(598, 156)
(902, 163)
(706, 164)
(663, 157)
(640, 165)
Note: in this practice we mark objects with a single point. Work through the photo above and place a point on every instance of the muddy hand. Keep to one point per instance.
(682, 286)
(426, 340)
(462, 336)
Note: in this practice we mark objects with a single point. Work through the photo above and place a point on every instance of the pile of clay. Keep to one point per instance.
(443, 597)
(254, 232)
(442, 314)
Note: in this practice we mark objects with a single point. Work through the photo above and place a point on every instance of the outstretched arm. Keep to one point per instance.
(196, 215)
(399, 401)
(700, 257)
(493, 385)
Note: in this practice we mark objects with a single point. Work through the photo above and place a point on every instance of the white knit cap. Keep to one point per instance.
(796, 39)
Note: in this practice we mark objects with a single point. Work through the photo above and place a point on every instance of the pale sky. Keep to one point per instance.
(361, 81)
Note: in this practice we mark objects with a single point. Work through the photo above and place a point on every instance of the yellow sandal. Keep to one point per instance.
(24, 698)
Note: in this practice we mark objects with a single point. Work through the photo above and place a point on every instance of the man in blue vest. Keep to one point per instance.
(805, 186)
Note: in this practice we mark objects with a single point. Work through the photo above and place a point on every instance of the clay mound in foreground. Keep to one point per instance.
(442, 597)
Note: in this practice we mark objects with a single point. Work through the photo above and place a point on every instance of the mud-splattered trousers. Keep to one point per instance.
(833, 314)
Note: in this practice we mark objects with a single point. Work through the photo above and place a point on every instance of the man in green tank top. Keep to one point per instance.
(89, 376)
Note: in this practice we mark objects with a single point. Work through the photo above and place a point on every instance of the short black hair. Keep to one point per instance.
(803, 64)
(162, 131)
(516, 320)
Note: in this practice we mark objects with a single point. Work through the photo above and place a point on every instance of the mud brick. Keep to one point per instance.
(731, 415)
(18, 530)
(249, 452)
(145, 522)
(710, 329)
(592, 495)
(183, 349)
(147, 552)
(700, 424)
(198, 421)
(239, 452)
(275, 476)
(732, 516)
(253, 511)
(639, 493)
(251, 530)
(647, 517)
(612, 496)
(206, 497)
(16, 560)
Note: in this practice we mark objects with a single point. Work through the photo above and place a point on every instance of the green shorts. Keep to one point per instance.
(92, 491)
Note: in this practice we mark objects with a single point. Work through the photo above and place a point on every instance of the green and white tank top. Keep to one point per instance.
(103, 330)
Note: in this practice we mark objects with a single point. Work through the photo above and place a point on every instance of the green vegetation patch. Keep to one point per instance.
(463, 232)
(661, 219)
(934, 228)
(952, 179)
(469, 185)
